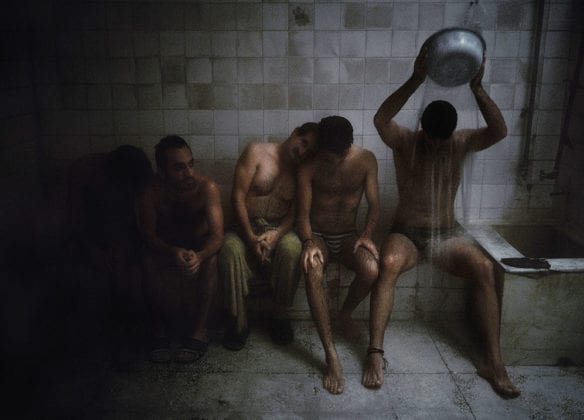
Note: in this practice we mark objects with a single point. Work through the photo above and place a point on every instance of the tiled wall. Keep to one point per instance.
(223, 74)
(570, 184)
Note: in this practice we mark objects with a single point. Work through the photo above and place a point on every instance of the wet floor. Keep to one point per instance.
(429, 375)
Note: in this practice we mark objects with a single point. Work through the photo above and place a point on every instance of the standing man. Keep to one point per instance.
(428, 167)
(181, 219)
(330, 190)
(263, 195)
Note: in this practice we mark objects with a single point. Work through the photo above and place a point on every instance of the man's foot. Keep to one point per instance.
(499, 381)
(374, 367)
(348, 328)
(333, 380)
(191, 350)
(235, 340)
(159, 350)
(281, 331)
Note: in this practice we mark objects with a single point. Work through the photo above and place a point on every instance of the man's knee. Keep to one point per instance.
(484, 272)
(232, 247)
(290, 246)
(315, 274)
(393, 262)
(368, 266)
(209, 269)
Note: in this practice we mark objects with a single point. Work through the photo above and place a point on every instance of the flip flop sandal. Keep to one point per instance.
(191, 350)
(159, 350)
(235, 341)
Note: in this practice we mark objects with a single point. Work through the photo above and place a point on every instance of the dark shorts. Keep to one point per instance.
(422, 237)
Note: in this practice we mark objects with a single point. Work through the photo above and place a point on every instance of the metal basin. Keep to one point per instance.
(454, 56)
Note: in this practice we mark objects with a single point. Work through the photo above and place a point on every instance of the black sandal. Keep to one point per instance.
(233, 340)
(159, 350)
(191, 350)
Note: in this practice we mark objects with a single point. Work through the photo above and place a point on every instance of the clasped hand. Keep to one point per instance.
(187, 259)
(265, 244)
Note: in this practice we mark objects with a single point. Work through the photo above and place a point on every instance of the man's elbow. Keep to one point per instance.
(378, 121)
(501, 132)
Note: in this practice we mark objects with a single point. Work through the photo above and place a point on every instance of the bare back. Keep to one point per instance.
(337, 189)
(428, 176)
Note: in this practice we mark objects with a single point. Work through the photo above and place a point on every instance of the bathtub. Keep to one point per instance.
(542, 310)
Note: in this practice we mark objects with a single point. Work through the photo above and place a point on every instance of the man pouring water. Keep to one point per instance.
(428, 164)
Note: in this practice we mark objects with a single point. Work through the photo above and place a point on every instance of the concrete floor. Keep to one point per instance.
(429, 376)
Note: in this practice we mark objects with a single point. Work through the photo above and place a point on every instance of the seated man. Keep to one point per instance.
(428, 167)
(330, 189)
(104, 237)
(181, 219)
(264, 189)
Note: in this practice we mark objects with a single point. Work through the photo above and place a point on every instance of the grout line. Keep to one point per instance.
(451, 374)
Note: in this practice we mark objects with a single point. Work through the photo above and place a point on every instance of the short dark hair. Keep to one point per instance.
(129, 166)
(335, 134)
(168, 142)
(439, 119)
(308, 128)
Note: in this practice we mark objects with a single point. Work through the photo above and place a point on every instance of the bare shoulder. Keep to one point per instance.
(152, 193)
(209, 187)
(461, 137)
(257, 152)
(364, 155)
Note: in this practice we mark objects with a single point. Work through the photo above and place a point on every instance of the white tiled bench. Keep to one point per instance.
(422, 293)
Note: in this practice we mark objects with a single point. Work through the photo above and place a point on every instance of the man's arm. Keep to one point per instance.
(244, 172)
(391, 133)
(214, 214)
(311, 254)
(304, 198)
(496, 129)
(372, 196)
(146, 219)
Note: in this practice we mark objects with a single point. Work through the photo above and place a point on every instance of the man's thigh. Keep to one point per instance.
(357, 260)
(399, 253)
(321, 245)
(459, 256)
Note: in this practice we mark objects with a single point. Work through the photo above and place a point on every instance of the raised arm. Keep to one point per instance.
(391, 133)
(244, 172)
(214, 214)
(496, 129)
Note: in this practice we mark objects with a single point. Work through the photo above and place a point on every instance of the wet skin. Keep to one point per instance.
(329, 193)
(428, 175)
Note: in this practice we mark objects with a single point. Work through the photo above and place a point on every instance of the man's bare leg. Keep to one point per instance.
(208, 286)
(200, 298)
(462, 258)
(367, 269)
(398, 254)
(333, 380)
